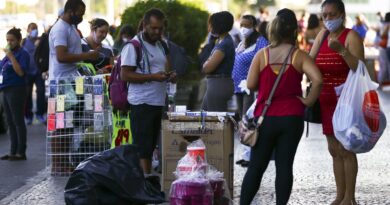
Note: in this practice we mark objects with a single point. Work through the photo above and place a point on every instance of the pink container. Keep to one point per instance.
(208, 199)
(180, 201)
(217, 187)
(189, 188)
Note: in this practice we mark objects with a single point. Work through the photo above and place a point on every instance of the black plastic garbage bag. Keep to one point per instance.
(112, 177)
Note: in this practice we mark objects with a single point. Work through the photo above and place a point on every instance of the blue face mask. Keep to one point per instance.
(333, 25)
(34, 33)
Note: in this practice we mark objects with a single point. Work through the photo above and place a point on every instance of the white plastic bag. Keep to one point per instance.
(349, 123)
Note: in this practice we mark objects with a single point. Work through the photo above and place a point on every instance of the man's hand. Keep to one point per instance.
(160, 76)
(172, 77)
(93, 55)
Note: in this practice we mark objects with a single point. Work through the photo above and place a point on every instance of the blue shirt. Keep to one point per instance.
(227, 47)
(243, 61)
(10, 78)
(29, 46)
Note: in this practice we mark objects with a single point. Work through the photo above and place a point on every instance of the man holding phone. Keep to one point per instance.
(147, 84)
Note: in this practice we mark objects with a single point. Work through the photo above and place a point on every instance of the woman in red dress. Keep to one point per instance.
(339, 52)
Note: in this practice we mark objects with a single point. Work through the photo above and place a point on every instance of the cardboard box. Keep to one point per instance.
(217, 136)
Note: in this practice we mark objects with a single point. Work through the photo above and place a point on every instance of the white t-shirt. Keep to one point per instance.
(63, 34)
(151, 93)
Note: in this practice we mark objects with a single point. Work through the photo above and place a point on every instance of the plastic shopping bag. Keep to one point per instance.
(358, 120)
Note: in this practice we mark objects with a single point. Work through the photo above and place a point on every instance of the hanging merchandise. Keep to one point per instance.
(121, 134)
(358, 120)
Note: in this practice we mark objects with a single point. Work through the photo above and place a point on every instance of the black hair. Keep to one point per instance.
(263, 29)
(97, 23)
(254, 35)
(283, 27)
(15, 32)
(221, 22)
(157, 13)
(32, 24)
(73, 5)
(338, 3)
(125, 29)
(387, 17)
(313, 21)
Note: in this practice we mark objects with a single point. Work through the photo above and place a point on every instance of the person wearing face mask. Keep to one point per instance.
(126, 33)
(99, 30)
(33, 76)
(65, 52)
(65, 42)
(14, 67)
(339, 53)
(253, 41)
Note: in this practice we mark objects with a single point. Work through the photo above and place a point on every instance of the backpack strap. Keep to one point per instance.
(138, 50)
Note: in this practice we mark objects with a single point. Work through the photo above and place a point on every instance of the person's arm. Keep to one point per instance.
(310, 69)
(129, 74)
(252, 80)
(316, 45)
(352, 52)
(63, 56)
(213, 62)
(15, 64)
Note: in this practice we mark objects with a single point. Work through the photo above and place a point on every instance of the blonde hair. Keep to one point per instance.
(280, 30)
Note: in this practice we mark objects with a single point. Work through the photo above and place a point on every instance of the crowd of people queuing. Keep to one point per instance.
(246, 68)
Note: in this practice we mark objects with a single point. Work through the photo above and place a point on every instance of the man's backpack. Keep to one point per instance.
(41, 55)
(117, 87)
(178, 57)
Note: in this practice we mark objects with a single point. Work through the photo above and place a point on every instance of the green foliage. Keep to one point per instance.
(187, 23)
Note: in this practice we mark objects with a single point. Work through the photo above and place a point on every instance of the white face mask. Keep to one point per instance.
(333, 25)
(246, 32)
(124, 39)
(95, 38)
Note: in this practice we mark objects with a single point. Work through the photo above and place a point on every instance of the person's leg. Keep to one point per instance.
(291, 129)
(338, 168)
(28, 114)
(260, 157)
(141, 119)
(350, 173)
(247, 102)
(41, 99)
(240, 101)
(17, 100)
(11, 125)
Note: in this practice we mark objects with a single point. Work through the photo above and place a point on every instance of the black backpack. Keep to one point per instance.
(41, 55)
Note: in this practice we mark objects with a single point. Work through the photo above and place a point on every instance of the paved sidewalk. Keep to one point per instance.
(313, 176)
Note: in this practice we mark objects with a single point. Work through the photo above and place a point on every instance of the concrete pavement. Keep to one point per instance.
(313, 175)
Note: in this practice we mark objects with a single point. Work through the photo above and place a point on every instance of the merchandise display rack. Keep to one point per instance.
(79, 123)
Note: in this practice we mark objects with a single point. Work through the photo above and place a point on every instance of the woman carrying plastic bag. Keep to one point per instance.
(358, 121)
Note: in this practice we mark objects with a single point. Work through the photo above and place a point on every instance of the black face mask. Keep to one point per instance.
(75, 20)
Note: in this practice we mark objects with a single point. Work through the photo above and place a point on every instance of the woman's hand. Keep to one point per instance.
(306, 101)
(335, 45)
(8, 52)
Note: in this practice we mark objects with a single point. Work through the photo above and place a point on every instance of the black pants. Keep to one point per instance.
(145, 123)
(282, 134)
(40, 90)
(14, 99)
(244, 102)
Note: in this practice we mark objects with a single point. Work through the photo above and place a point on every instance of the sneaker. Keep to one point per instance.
(41, 119)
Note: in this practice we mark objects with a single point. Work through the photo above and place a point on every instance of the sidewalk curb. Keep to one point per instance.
(30, 183)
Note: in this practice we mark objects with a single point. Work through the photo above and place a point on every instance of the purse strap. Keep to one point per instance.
(269, 100)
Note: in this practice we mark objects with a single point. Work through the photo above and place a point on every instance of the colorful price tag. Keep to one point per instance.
(79, 85)
(60, 120)
(98, 103)
(51, 106)
(51, 122)
(60, 103)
